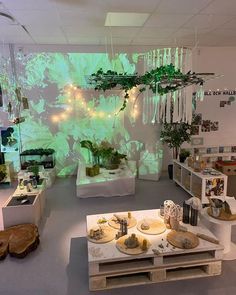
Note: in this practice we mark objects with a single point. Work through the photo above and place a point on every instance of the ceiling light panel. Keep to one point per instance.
(124, 19)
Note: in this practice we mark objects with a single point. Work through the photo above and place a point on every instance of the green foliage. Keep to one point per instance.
(34, 169)
(39, 151)
(103, 151)
(175, 134)
(162, 80)
(184, 153)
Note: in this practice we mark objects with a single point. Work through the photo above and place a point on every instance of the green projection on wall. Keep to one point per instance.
(65, 110)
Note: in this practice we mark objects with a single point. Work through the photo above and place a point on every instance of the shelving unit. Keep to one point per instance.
(198, 184)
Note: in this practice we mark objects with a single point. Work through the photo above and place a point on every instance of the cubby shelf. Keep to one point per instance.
(198, 184)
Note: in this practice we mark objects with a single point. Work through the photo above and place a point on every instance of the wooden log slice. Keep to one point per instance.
(156, 226)
(182, 240)
(108, 235)
(23, 239)
(115, 224)
(120, 245)
(4, 240)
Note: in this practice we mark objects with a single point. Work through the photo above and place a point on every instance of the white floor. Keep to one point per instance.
(59, 265)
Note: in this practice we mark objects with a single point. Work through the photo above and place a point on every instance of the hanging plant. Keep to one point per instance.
(161, 80)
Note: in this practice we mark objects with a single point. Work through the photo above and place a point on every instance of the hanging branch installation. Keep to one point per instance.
(161, 80)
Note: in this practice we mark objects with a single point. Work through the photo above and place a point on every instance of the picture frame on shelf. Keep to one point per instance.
(197, 141)
(221, 149)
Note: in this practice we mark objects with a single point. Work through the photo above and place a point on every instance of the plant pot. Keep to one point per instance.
(112, 166)
(170, 171)
(182, 159)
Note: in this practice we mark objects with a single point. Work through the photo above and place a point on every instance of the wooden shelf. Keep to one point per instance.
(196, 183)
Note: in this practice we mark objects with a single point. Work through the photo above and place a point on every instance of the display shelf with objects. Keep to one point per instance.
(40, 156)
(110, 267)
(200, 184)
(213, 154)
(6, 173)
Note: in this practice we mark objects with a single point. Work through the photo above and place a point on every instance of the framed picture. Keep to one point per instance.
(214, 126)
(221, 149)
(10, 139)
(233, 149)
(206, 126)
(195, 130)
(197, 141)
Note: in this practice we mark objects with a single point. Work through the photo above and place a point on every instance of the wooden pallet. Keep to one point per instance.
(161, 268)
(109, 268)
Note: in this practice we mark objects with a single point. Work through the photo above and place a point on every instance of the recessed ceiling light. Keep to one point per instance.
(125, 19)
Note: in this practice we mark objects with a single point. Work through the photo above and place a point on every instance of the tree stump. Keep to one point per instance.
(18, 240)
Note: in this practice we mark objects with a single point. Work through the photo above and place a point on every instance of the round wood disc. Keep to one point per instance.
(109, 235)
(182, 240)
(223, 215)
(120, 244)
(156, 226)
(115, 224)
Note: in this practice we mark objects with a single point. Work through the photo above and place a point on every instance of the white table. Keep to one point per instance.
(108, 183)
(109, 268)
(222, 230)
(19, 214)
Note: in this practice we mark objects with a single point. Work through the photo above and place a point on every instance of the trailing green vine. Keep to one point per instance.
(161, 80)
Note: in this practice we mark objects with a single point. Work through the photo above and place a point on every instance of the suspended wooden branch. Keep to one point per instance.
(161, 80)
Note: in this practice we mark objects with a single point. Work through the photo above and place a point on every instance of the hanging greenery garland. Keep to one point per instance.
(161, 80)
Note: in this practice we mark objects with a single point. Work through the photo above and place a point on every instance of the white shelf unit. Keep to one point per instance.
(196, 183)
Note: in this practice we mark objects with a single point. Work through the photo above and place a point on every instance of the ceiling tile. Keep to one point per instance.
(44, 30)
(221, 7)
(50, 39)
(155, 33)
(167, 20)
(182, 6)
(152, 41)
(124, 19)
(36, 17)
(206, 21)
(75, 18)
(29, 4)
(230, 25)
(14, 34)
(83, 41)
(117, 41)
(108, 5)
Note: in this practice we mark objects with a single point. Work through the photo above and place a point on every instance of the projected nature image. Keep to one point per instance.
(64, 109)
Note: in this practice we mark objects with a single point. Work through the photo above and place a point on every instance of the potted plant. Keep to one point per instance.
(35, 170)
(183, 155)
(174, 135)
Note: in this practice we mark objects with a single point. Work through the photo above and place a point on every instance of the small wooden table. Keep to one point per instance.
(109, 268)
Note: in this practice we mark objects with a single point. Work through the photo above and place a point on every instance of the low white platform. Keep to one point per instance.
(108, 183)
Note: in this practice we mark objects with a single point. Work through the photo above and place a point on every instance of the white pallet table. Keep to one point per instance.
(197, 180)
(109, 268)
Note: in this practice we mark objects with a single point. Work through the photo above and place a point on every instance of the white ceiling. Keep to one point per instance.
(171, 22)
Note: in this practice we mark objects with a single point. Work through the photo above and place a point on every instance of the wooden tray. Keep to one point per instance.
(109, 235)
(177, 238)
(156, 226)
(120, 244)
(113, 223)
(223, 215)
